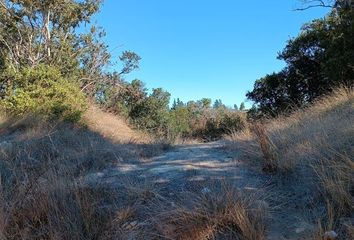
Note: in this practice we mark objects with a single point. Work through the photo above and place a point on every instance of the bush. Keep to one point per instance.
(41, 90)
(224, 122)
(178, 123)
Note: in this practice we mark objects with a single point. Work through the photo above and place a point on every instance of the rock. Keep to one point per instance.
(130, 225)
(206, 190)
(330, 235)
(303, 229)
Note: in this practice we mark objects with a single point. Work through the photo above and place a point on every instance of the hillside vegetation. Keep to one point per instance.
(41, 164)
(76, 138)
(310, 153)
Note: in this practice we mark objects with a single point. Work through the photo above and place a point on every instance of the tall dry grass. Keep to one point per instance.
(315, 146)
(113, 127)
(44, 194)
(220, 214)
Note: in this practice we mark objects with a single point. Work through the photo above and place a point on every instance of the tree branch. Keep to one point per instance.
(314, 4)
(3, 4)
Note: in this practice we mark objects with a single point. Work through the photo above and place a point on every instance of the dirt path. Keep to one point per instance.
(197, 167)
(187, 164)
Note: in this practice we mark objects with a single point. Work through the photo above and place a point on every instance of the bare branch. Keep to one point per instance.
(314, 4)
(3, 5)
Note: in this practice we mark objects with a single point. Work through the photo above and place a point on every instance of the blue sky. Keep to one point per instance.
(203, 48)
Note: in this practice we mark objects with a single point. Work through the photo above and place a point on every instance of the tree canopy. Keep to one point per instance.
(318, 60)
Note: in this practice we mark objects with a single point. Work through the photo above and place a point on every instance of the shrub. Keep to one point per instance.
(41, 90)
(221, 123)
(178, 123)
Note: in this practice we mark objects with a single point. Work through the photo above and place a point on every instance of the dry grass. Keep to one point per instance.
(220, 214)
(44, 195)
(113, 127)
(315, 147)
(269, 150)
(41, 194)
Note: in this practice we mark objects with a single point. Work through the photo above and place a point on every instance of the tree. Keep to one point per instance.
(34, 32)
(38, 36)
(218, 104)
(178, 122)
(320, 59)
(177, 104)
(42, 90)
(130, 61)
(152, 113)
(205, 102)
(242, 106)
(307, 4)
(236, 107)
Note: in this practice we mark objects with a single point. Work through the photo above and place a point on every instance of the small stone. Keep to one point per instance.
(130, 225)
(330, 235)
(206, 190)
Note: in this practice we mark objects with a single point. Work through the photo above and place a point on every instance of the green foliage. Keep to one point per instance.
(242, 106)
(179, 122)
(149, 112)
(34, 32)
(37, 34)
(43, 32)
(198, 120)
(224, 122)
(152, 113)
(218, 104)
(42, 90)
(205, 102)
(177, 103)
(130, 61)
(319, 60)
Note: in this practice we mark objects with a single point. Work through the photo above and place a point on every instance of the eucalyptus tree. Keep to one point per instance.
(59, 33)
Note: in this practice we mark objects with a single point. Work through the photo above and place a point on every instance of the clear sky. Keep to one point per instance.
(203, 48)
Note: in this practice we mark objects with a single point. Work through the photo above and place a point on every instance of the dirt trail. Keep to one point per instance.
(196, 167)
(189, 163)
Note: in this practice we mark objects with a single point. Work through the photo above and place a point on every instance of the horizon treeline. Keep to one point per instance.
(49, 66)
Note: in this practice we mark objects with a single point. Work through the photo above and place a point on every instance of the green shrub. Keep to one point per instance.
(178, 122)
(221, 123)
(42, 90)
(232, 121)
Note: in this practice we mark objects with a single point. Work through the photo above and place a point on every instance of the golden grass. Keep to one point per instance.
(113, 127)
(225, 214)
(268, 148)
(44, 195)
(314, 144)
